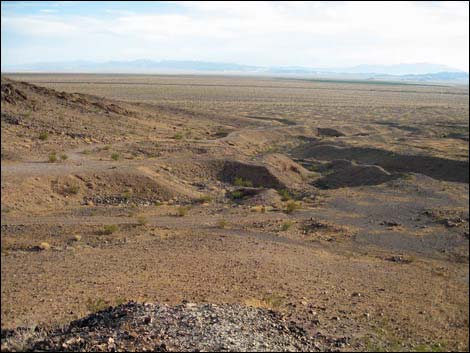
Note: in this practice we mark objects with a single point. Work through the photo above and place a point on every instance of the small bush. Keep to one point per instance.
(286, 226)
(236, 195)
(96, 305)
(271, 301)
(181, 211)
(141, 220)
(109, 229)
(222, 223)
(71, 190)
(64, 157)
(285, 195)
(240, 182)
(178, 136)
(292, 206)
(204, 199)
(52, 158)
(114, 156)
(44, 135)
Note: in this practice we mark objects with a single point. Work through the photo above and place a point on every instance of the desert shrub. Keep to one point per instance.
(141, 220)
(236, 195)
(95, 305)
(285, 195)
(181, 211)
(114, 156)
(71, 189)
(52, 158)
(64, 157)
(126, 195)
(270, 301)
(291, 207)
(222, 223)
(240, 182)
(286, 225)
(204, 199)
(109, 229)
(44, 135)
(178, 136)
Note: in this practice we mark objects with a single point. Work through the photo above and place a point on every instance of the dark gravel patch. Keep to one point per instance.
(163, 328)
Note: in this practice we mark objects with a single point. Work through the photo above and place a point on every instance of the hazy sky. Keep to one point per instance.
(314, 34)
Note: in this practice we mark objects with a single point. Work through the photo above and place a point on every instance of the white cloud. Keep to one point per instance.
(268, 33)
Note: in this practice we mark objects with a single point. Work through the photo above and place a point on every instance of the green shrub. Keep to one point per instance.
(292, 206)
(44, 135)
(109, 229)
(64, 157)
(114, 156)
(181, 211)
(222, 223)
(52, 158)
(96, 305)
(178, 136)
(285, 195)
(240, 182)
(204, 199)
(286, 225)
(71, 189)
(236, 195)
(141, 220)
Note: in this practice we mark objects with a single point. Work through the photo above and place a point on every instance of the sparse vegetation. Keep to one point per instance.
(285, 195)
(271, 301)
(204, 199)
(181, 211)
(52, 158)
(95, 305)
(142, 220)
(178, 136)
(236, 195)
(239, 181)
(115, 156)
(109, 229)
(291, 207)
(43, 135)
(285, 226)
(222, 223)
(71, 189)
(64, 157)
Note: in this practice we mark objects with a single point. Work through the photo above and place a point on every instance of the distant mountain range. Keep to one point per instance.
(419, 72)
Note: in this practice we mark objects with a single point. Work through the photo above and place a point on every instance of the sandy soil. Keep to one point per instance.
(342, 206)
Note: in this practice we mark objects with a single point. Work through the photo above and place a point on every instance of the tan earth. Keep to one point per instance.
(341, 205)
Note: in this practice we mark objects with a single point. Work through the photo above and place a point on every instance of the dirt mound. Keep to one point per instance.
(329, 132)
(354, 175)
(162, 328)
(14, 92)
(435, 167)
(137, 187)
(274, 171)
(266, 197)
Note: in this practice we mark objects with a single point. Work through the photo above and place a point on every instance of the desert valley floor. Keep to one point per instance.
(341, 206)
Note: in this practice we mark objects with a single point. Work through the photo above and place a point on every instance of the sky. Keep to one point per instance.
(305, 33)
